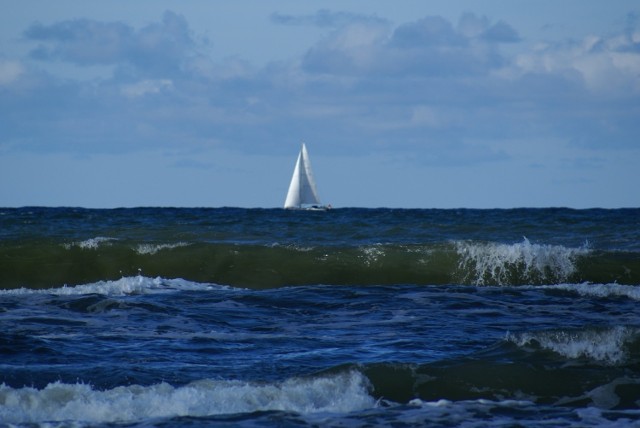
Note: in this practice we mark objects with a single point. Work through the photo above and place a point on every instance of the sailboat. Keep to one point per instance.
(302, 194)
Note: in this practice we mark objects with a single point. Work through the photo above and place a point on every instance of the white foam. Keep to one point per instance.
(123, 286)
(90, 244)
(338, 393)
(483, 413)
(607, 346)
(467, 413)
(150, 249)
(599, 290)
(295, 247)
(371, 255)
(493, 263)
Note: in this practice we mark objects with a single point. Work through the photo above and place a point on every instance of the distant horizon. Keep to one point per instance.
(330, 209)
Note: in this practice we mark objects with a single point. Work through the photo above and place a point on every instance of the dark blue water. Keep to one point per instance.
(232, 317)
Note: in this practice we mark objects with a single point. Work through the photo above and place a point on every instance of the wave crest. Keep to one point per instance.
(43, 265)
(340, 393)
(599, 290)
(608, 346)
(506, 264)
(124, 286)
(90, 244)
(150, 249)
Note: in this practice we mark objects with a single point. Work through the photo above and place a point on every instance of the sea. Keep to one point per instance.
(180, 317)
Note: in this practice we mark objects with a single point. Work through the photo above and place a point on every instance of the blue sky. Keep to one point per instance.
(425, 104)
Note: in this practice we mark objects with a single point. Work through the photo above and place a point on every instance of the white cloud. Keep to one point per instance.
(428, 46)
(606, 65)
(158, 48)
(326, 18)
(146, 87)
(10, 71)
(365, 86)
(427, 115)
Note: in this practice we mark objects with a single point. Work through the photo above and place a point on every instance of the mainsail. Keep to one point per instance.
(302, 190)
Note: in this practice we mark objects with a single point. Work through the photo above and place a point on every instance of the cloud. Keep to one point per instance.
(158, 47)
(146, 87)
(501, 32)
(429, 31)
(432, 89)
(604, 64)
(585, 91)
(421, 98)
(474, 26)
(82, 42)
(326, 19)
(428, 46)
(352, 49)
(10, 71)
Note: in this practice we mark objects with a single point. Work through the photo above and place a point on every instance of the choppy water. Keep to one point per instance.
(351, 317)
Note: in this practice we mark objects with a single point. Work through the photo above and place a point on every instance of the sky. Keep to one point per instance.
(411, 104)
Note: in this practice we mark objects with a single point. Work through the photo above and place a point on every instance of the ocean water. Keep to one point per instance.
(349, 318)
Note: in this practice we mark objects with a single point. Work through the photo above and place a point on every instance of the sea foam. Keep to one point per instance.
(150, 249)
(90, 244)
(599, 290)
(124, 286)
(339, 393)
(608, 346)
(506, 264)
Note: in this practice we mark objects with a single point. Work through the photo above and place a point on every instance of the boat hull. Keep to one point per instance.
(310, 208)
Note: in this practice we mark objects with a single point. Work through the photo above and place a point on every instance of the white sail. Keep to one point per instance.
(302, 190)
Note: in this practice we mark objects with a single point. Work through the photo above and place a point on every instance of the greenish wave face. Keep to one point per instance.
(47, 264)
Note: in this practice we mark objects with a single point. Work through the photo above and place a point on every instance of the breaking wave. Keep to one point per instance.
(503, 264)
(154, 248)
(121, 287)
(609, 346)
(338, 393)
(46, 265)
(599, 290)
(90, 244)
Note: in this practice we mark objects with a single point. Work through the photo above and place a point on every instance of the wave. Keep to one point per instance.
(338, 393)
(598, 290)
(511, 413)
(144, 249)
(104, 241)
(574, 368)
(342, 400)
(124, 286)
(484, 384)
(47, 264)
(608, 346)
(90, 244)
(494, 263)
(592, 368)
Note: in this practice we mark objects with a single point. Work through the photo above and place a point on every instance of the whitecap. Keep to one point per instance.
(607, 346)
(150, 249)
(599, 290)
(124, 286)
(90, 244)
(494, 263)
(338, 393)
